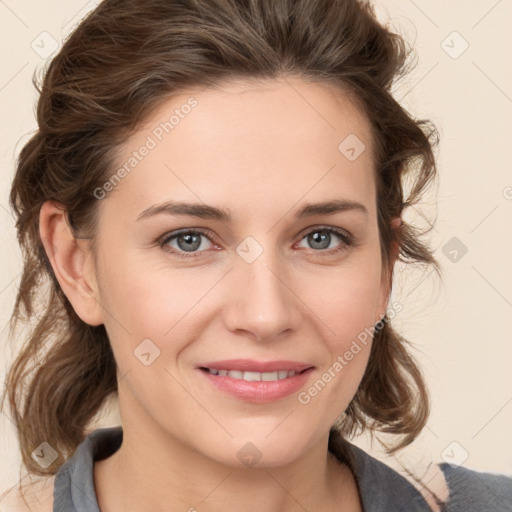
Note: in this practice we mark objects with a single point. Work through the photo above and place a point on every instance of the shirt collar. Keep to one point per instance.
(381, 488)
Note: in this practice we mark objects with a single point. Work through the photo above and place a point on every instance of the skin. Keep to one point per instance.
(260, 150)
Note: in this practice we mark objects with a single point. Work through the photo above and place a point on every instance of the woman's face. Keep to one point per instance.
(266, 282)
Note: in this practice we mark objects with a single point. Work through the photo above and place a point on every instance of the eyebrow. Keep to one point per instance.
(204, 211)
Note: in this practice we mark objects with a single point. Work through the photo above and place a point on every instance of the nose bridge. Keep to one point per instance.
(262, 302)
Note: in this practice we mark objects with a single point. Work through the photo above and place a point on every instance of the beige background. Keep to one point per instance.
(461, 327)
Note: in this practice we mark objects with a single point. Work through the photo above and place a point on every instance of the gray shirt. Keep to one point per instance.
(382, 489)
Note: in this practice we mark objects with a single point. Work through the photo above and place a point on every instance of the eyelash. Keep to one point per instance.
(347, 239)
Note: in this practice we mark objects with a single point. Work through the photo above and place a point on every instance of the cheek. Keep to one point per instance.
(345, 303)
(138, 305)
(151, 301)
(148, 298)
(346, 299)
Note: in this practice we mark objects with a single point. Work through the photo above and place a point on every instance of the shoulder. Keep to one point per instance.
(430, 482)
(476, 490)
(465, 490)
(34, 496)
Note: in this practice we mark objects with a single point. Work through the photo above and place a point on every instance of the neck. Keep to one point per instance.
(152, 471)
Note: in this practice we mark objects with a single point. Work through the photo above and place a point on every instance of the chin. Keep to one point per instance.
(260, 451)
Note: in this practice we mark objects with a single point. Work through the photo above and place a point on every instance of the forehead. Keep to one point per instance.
(249, 142)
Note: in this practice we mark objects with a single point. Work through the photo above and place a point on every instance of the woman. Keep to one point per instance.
(214, 198)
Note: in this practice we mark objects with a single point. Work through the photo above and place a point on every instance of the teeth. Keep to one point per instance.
(253, 376)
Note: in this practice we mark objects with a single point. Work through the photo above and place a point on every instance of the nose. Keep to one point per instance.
(261, 301)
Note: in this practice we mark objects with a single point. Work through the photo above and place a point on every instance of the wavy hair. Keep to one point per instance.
(120, 63)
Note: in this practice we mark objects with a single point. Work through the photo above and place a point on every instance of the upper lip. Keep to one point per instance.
(251, 365)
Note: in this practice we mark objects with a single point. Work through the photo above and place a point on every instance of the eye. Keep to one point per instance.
(320, 239)
(189, 242)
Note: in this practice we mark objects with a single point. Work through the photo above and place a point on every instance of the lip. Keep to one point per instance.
(251, 365)
(257, 391)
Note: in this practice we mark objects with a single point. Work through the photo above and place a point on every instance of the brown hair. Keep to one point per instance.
(120, 63)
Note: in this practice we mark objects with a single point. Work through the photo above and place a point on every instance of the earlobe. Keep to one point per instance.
(71, 261)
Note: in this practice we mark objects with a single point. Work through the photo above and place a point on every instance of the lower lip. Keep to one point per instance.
(258, 391)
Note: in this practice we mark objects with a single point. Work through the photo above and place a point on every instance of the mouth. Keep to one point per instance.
(257, 382)
(251, 376)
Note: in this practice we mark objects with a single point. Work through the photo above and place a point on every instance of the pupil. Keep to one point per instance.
(319, 237)
(190, 245)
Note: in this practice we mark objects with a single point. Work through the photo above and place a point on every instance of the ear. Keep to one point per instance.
(387, 273)
(72, 262)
